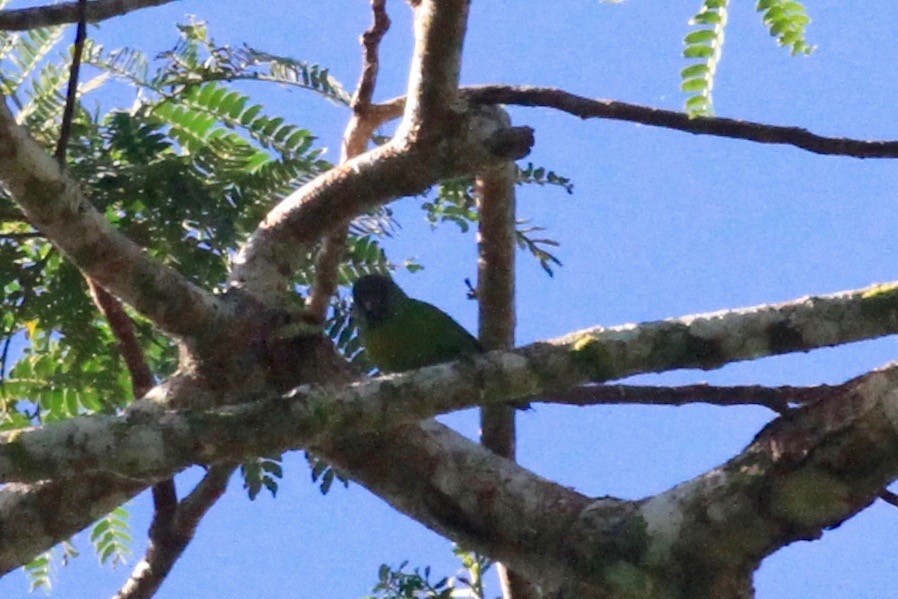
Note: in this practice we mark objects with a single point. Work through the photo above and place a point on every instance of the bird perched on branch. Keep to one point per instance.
(401, 333)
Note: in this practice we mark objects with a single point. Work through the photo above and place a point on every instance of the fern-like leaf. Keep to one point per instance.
(704, 45)
(23, 53)
(212, 102)
(786, 20)
(112, 538)
(539, 175)
(259, 473)
(125, 63)
(38, 572)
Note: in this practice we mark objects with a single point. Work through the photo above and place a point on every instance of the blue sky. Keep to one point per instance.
(661, 224)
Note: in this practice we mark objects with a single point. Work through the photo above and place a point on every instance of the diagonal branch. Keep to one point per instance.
(22, 19)
(393, 170)
(440, 27)
(155, 444)
(802, 475)
(53, 203)
(355, 142)
(437, 139)
(169, 539)
(34, 518)
(153, 447)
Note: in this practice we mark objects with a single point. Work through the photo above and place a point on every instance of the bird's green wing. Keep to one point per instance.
(416, 334)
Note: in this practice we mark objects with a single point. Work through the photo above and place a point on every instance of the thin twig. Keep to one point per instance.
(123, 330)
(22, 19)
(4, 356)
(65, 129)
(889, 497)
(355, 142)
(25, 235)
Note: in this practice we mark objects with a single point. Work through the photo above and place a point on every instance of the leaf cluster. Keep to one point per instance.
(786, 21)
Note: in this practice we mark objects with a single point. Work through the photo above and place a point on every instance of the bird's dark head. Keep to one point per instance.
(374, 297)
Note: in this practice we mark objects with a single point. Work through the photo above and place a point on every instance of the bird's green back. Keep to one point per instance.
(413, 335)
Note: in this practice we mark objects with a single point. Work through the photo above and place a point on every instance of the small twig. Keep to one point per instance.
(24, 235)
(65, 129)
(4, 356)
(779, 399)
(171, 535)
(355, 142)
(371, 39)
(22, 19)
(889, 497)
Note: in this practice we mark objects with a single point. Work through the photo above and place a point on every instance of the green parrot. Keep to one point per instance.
(401, 333)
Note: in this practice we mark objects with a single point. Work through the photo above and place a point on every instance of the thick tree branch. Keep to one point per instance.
(803, 474)
(54, 204)
(35, 517)
(438, 138)
(703, 539)
(150, 446)
(773, 489)
(22, 19)
(393, 170)
(440, 27)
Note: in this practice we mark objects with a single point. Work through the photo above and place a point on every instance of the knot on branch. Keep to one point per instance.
(491, 140)
(511, 143)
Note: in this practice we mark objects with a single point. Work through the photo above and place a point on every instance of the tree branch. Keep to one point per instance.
(495, 192)
(355, 142)
(779, 399)
(437, 139)
(586, 108)
(393, 170)
(152, 447)
(35, 517)
(169, 539)
(22, 19)
(53, 203)
(440, 27)
(802, 475)
(150, 443)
